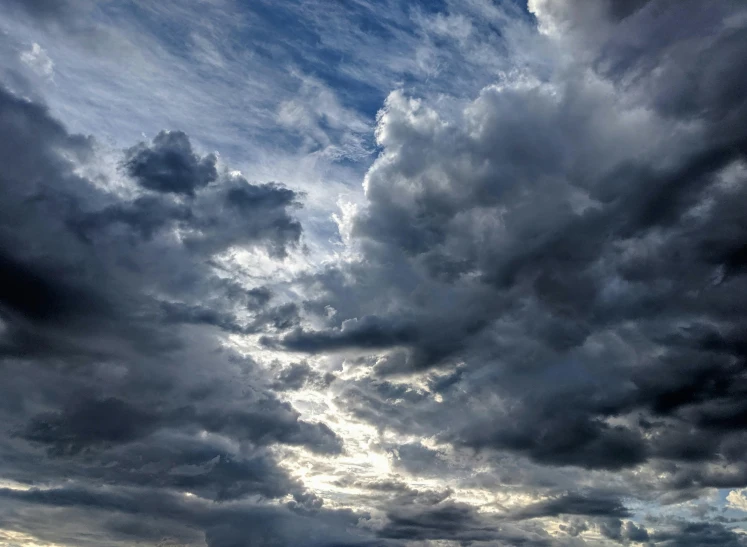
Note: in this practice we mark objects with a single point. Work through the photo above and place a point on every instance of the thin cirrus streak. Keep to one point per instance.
(373, 273)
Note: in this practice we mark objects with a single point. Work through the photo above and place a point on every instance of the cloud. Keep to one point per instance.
(625, 533)
(88, 423)
(224, 526)
(447, 520)
(535, 235)
(574, 504)
(737, 500)
(698, 533)
(529, 330)
(366, 333)
(105, 377)
(170, 165)
(294, 377)
(39, 61)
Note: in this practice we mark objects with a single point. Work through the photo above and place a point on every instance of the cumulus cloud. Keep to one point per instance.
(531, 331)
(545, 234)
(170, 165)
(737, 499)
(105, 379)
(570, 244)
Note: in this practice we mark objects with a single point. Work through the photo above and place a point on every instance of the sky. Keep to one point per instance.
(373, 273)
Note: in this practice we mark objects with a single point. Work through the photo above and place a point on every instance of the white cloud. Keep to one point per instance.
(737, 499)
(38, 60)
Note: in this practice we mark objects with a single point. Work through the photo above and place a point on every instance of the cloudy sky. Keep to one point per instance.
(324, 273)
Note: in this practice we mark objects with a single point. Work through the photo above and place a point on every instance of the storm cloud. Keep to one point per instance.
(98, 362)
(459, 274)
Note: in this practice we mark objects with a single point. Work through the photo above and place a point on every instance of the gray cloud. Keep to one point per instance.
(562, 257)
(89, 422)
(575, 504)
(170, 165)
(698, 533)
(224, 525)
(448, 520)
(105, 379)
(540, 306)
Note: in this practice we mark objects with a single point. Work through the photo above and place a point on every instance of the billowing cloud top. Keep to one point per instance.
(383, 274)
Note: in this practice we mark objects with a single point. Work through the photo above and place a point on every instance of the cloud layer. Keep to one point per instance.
(528, 328)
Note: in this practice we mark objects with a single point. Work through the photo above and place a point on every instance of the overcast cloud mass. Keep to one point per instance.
(312, 273)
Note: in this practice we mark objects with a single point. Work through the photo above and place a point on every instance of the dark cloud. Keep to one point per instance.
(365, 334)
(545, 433)
(293, 377)
(575, 504)
(39, 295)
(267, 421)
(169, 164)
(248, 199)
(451, 521)
(582, 279)
(540, 305)
(89, 422)
(625, 533)
(260, 216)
(108, 374)
(556, 269)
(698, 533)
(73, 254)
(145, 216)
(447, 520)
(224, 526)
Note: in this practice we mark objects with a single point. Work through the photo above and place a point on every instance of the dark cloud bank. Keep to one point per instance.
(552, 282)
(112, 380)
